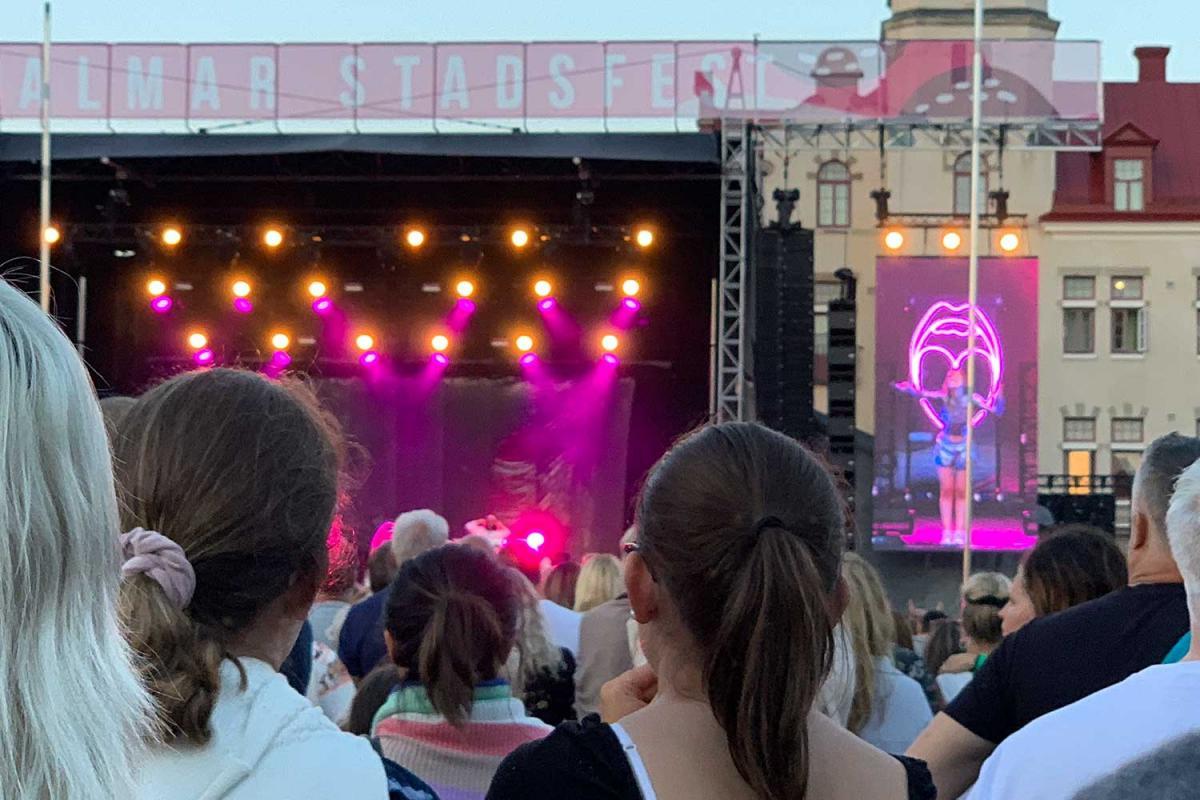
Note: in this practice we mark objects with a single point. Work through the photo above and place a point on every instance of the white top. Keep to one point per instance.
(1058, 754)
(900, 711)
(951, 683)
(635, 762)
(562, 625)
(268, 742)
(837, 692)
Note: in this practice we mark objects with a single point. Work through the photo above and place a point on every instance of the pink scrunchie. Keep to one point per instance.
(150, 553)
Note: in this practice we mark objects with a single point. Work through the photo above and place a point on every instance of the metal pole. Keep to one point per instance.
(43, 244)
(973, 282)
(81, 316)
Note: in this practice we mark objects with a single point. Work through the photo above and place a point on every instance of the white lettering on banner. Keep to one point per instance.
(762, 100)
(709, 66)
(454, 86)
(611, 81)
(564, 95)
(262, 82)
(204, 84)
(31, 84)
(144, 91)
(509, 95)
(661, 80)
(406, 65)
(351, 66)
(83, 99)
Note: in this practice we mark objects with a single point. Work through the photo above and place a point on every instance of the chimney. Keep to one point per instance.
(1152, 64)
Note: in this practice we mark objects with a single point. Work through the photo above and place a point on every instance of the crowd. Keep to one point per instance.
(190, 617)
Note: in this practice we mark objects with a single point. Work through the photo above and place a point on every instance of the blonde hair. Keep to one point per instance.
(74, 715)
(984, 594)
(600, 580)
(872, 631)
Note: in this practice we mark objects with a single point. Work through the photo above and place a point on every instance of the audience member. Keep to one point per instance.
(1061, 658)
(1172, 772)
(74, 714)
(360, 645)
(562, 624)
(113, 409)
(1072, 564)
(1062, 752)
(604, 651)
(911, 664)
(542, 673)
(337, 591)
(904, 634)
(945, 641)
(837, 692)
(240, 473)
(984, 595)
(925, 630)
(452, 620)
(889, 708)
(373, 691)
(734, 581)
(297, 665)
(561, 583)
(599, 581)
(381, 568)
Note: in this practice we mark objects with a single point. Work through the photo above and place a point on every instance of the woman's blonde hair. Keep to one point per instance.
(872, 633)
(73, 715)
(984, 594)
(600, 580)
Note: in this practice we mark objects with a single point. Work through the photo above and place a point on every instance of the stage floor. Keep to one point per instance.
(999, 534)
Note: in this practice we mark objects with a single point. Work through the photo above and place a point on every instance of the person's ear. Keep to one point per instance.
(391, 645)
(642, 589)
(838, 600)
(1139, 531)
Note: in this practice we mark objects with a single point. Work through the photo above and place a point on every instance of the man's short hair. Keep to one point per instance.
(1183, 527)
(417, 532)
(1163, 462)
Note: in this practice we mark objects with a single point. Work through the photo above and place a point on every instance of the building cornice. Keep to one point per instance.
(1121, 229)
(954, 17)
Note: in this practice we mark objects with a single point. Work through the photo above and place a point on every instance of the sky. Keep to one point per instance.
(1119, 25)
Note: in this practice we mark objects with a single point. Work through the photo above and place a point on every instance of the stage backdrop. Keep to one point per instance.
(921, 339)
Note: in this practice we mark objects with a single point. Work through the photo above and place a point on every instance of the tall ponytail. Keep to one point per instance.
(455, 652)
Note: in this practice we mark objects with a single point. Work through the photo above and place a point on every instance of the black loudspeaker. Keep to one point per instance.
(1099, 510)
(783, 330)
(843, 369)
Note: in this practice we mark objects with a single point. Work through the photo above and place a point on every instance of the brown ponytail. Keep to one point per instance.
(452, 615)
(242, 473)
(743, 527)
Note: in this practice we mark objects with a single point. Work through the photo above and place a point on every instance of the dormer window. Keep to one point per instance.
(1129, 175)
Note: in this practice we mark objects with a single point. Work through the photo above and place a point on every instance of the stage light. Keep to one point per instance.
(546, 305)
(440, 359)
(529, 359)
(240, 288)
(543, 288)
(609, 342)
(631, 303)
(162, 304)
(519, 237)
(893, 240)
(272, 237)
(644, 237)
(280, 341)
(156, 288)
(369, 358)
(242, 305)
(610, 359)
(464, 289)
(630, 287)
(317, 289)
(535, 540)
(951, 240)
(280, 359)
(1009, 241)
(440, 343)
(322, 305)
(524, 343)
(171, 236)
(197, 340)
(414, 237)
(364, 341)
(203, 357)
(51, 235)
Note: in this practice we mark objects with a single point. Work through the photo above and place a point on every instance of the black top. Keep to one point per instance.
(584, 761)
(1059, 659)
(551, 695)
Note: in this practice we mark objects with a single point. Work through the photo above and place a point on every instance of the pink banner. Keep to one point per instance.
(514, 82)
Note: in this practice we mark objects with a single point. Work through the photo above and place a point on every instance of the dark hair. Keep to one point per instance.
(560, 584)
(372, 692)
(929, 618)
(1072, 564)
(381, 568)
(242, 473)
(744, 529)
(452, 614)
(945, 640)
(904, 635)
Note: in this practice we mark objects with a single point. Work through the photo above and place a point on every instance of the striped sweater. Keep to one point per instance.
(457, 762)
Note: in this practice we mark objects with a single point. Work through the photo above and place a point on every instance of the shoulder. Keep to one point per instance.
(370, 607)
(579, 760)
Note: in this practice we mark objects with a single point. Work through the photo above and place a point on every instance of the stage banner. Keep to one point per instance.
(923, 410)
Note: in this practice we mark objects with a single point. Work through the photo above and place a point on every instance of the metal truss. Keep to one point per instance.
(896, 134)
(738, 221)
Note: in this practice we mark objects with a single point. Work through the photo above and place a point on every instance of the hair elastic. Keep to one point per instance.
(768, 522)
(150, 553)
(987, 600)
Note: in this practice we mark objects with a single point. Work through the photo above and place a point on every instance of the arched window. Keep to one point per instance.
(962, 185)
(833, 195)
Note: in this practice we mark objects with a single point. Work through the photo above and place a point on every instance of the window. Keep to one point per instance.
(1125, 464)
(1079, 429)
(1128, 189)
(1079, 314)
(1080, 465)
(1128, 430)
(962, 185)
(1128, 315)
(1124, 288)
(833, 195)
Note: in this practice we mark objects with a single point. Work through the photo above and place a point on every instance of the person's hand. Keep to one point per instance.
(488, 526)
(627, 693)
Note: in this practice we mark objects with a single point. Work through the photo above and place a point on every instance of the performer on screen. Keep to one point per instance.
(955, 413)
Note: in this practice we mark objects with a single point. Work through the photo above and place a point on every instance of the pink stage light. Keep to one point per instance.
(162, 304)
(281, 358)
(631, 303)
(546, 305)
(610, 359)
(440, 359)
(529, 359)
(369, 358)
(204, 357)
(242, 305)
(945, 321)
(382, 535)
(535, 540)
(465, 306)
(322, 305)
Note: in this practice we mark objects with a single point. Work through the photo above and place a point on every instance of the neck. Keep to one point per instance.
(267, 641)
(1154, 570)
(679, 680)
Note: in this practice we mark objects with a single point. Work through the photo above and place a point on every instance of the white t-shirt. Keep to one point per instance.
(1057, 755)
(562, 625)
